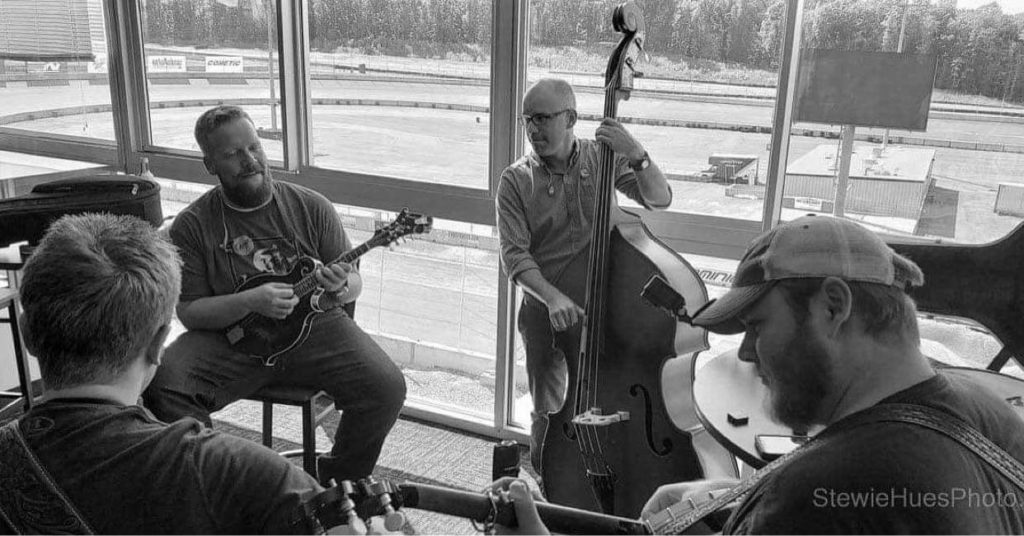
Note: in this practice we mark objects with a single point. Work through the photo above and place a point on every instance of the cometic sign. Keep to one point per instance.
(223, 64)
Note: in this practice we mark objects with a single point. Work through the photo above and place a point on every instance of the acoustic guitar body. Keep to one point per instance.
(651, 448)
(267, 338)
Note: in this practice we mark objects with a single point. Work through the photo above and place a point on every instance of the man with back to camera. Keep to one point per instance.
(544, 206)
(98, 296)
(253, 225)
(827, 320)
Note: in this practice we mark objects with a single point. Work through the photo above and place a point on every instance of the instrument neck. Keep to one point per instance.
(308, 284)
(597, 273)
(480, 508)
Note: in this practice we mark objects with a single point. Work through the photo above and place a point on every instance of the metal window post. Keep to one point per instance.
(783, 120)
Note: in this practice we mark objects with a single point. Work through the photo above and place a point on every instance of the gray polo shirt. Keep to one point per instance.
(544, 218)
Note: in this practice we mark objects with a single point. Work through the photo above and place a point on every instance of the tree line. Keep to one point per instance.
(979, 51)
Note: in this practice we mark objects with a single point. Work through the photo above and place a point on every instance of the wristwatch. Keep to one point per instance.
(642, 164)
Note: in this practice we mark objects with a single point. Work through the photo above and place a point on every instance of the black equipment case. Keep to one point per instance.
(26, 217)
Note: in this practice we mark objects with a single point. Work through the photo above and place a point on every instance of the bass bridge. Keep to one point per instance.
(596, 417)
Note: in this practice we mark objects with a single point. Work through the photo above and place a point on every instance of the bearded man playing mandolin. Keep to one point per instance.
(252, 226)
(544, 204)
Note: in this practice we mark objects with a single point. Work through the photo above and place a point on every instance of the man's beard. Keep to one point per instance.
(798, 388)
(245, 196)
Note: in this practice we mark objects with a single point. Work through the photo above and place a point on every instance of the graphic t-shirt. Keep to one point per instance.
(222, 247)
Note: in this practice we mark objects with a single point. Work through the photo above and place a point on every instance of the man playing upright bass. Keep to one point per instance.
(545, 203)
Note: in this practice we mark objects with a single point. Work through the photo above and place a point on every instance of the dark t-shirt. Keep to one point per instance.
(220, 247)
(886, 478)
(127, 472)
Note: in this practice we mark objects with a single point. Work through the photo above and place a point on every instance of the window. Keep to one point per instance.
(400, 88)
(703, 107)
(431, 303)
(53, 68)
(200, 53)
(908, 119)
(949, 165)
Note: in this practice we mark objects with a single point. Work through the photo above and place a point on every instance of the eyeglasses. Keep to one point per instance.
(540, 120)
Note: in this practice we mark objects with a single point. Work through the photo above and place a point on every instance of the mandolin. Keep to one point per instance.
(268, 338)
(348, 506)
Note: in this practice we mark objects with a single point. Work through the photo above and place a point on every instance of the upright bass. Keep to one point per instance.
(628, 423)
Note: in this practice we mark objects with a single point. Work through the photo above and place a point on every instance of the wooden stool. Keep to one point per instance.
(9, 299)
(304, 398)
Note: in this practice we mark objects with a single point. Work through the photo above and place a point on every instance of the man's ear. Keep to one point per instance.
(748, 351)
(571, 119)
(155, 348)
(208, 162)
(837, 301)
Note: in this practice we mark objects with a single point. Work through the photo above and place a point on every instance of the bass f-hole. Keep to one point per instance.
(638, 390)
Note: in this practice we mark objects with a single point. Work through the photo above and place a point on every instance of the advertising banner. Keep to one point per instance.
(165, 64)
(223, 64)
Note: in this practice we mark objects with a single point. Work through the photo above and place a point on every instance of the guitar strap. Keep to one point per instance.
(941, 422)
(31, 502)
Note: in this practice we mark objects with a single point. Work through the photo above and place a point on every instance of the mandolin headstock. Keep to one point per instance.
(405, 224)
(351, 507)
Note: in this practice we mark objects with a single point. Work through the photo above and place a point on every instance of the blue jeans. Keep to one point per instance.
(201, 374)
(546, 371)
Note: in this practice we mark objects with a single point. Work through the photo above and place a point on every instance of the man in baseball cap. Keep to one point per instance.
(806, 248)
(823, 306)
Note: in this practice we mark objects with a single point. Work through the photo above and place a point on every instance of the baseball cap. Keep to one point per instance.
(807, 247)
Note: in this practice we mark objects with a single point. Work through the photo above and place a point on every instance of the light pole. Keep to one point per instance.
(268, 12)
(1016, 66)
(899, 49)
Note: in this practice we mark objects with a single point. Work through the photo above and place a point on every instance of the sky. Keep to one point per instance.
(1009, 6)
